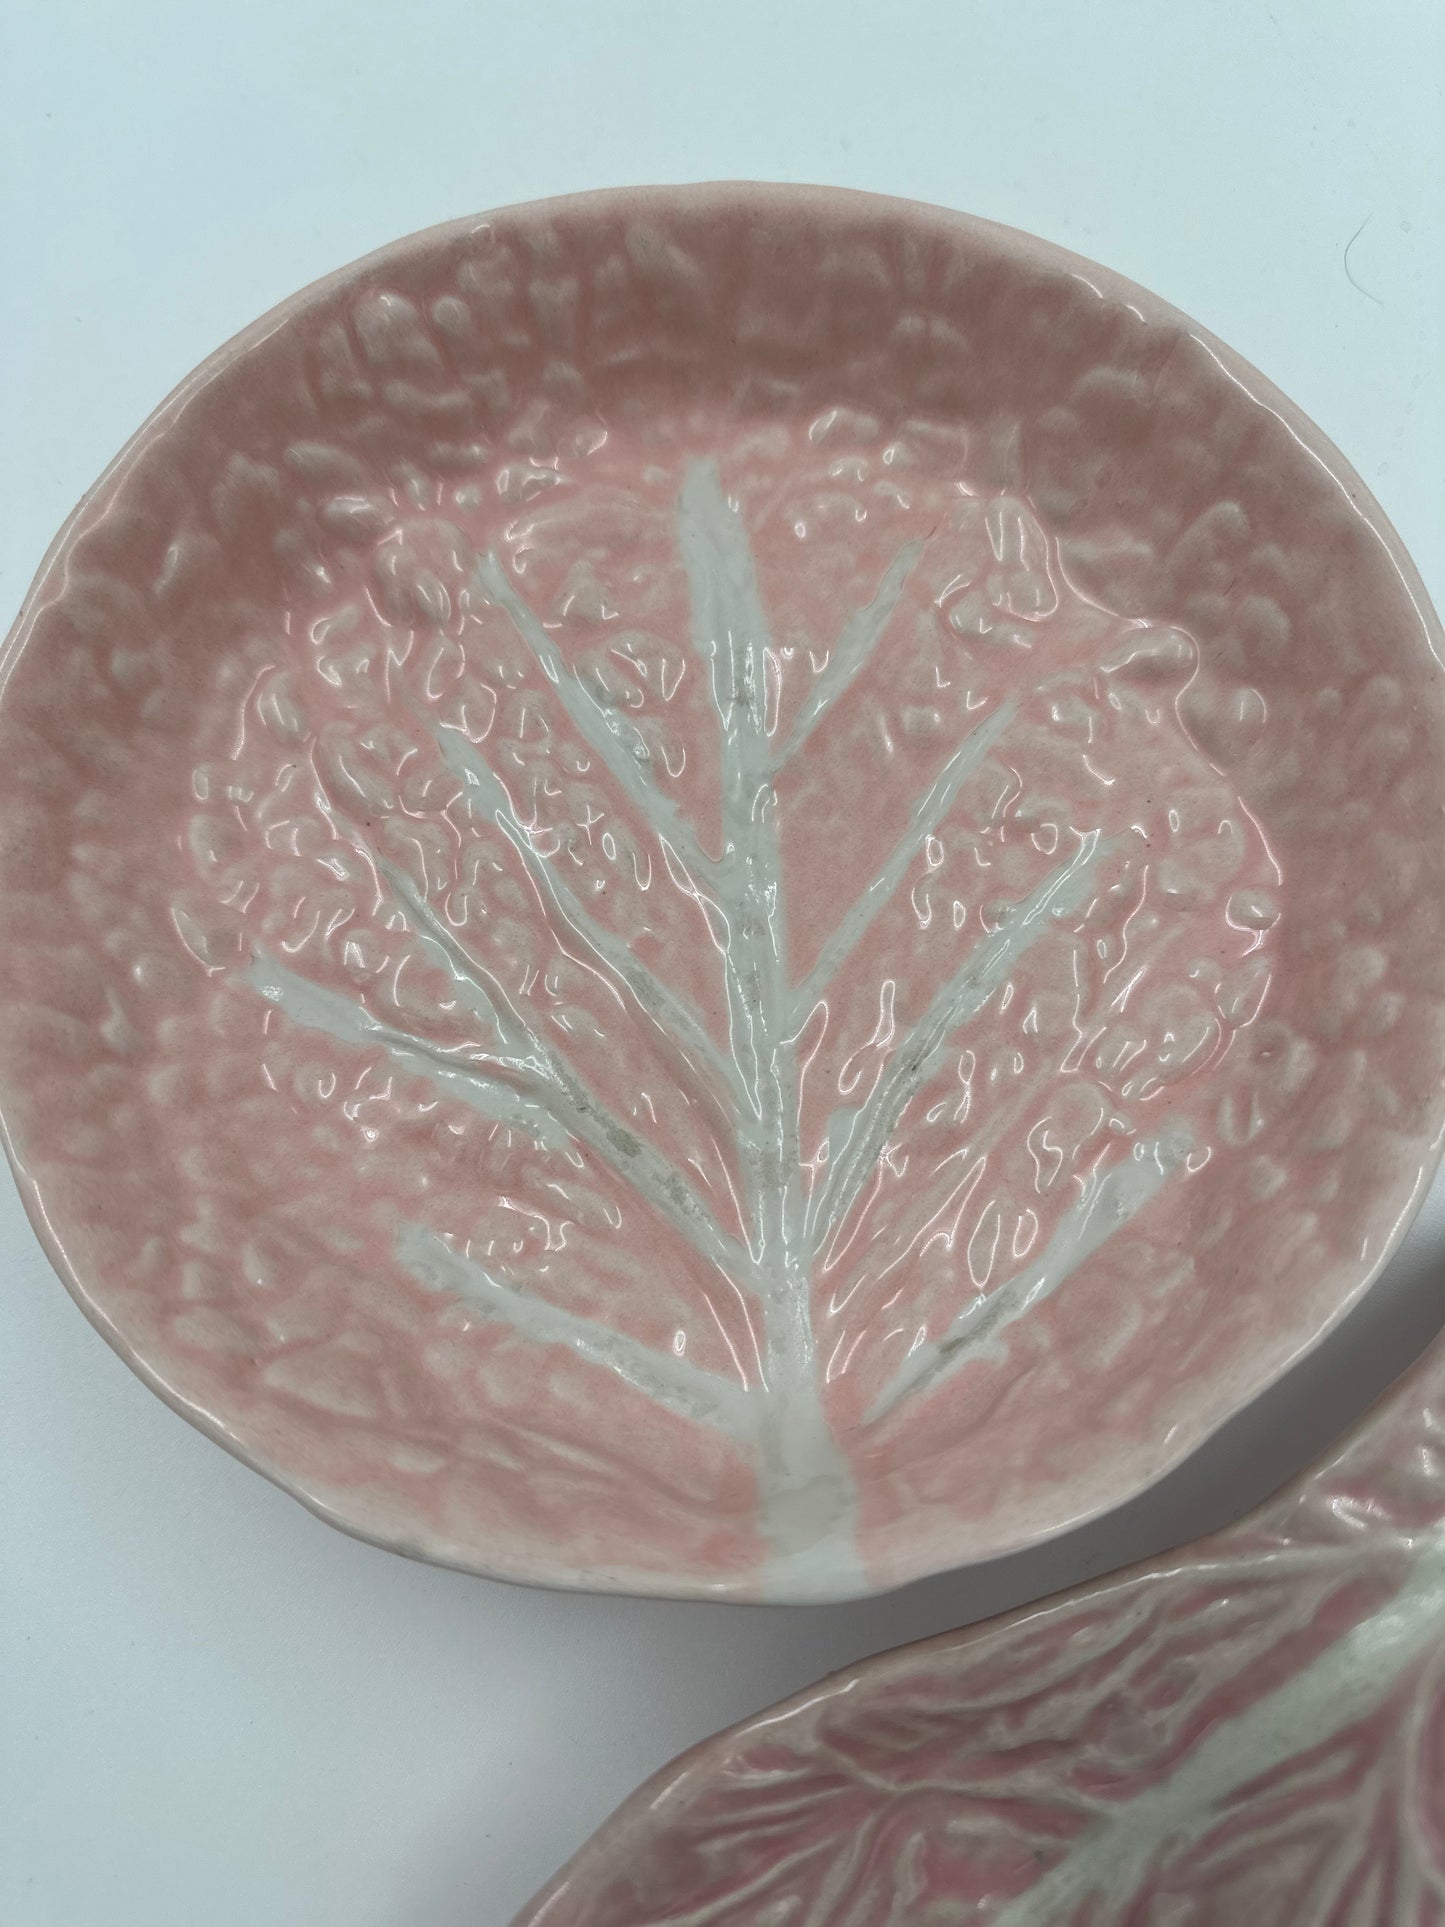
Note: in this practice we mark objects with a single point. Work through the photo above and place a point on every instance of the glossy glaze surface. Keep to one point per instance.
(687, 925)
(1249, 1730)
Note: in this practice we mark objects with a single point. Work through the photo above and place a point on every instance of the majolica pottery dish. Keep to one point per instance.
(1250, 1733)
(726, 891)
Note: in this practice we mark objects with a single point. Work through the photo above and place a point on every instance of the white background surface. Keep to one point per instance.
(216, 1712)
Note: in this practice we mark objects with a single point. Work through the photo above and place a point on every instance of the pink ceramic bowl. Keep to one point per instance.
(730, 891)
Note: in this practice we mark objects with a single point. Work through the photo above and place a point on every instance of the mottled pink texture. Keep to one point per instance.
(1248, 1733)
(235, 718)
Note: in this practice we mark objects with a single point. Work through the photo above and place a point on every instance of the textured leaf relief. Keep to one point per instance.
(809, 916)
(1252, 1731)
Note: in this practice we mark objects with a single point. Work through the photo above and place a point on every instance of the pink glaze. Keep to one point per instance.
(454, 1042)
(1247, 1733)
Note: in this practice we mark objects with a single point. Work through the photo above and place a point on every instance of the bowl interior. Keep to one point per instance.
(725, 891)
